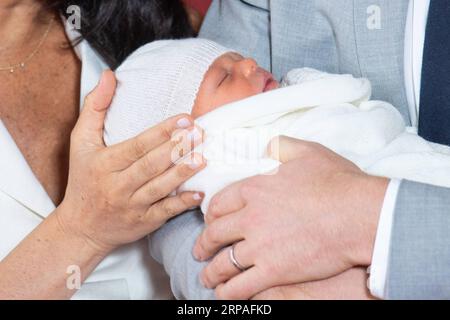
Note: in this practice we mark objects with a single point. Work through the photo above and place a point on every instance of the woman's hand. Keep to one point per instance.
(349, 285)
(114, 196)
(119, 194)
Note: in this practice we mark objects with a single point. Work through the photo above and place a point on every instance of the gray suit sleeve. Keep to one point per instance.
(172, 247)
(242, 26)
(419, 259)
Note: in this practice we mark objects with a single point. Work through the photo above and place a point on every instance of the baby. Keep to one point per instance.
(170, 77)
(235, 102)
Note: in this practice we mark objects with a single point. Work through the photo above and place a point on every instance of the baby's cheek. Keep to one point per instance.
(246, 90)
(199, 110)
(208, 103)
(230, 94)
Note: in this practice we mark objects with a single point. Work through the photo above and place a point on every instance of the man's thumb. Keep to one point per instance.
(91, 122)
(285, 149)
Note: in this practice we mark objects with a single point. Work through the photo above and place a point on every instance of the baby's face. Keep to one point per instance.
(231, 78)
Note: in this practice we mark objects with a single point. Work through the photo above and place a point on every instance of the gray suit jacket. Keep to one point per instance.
(333, 36)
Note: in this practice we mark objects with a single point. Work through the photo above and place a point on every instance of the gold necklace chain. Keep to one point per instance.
(12, 67)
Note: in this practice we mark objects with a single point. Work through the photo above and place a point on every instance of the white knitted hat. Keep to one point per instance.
(156, 82)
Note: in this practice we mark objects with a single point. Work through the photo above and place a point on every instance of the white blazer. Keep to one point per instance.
(127, 273)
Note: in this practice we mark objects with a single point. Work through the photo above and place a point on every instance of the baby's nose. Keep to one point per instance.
(247, 66)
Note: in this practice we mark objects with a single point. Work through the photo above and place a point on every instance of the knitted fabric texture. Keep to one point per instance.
(156, 82)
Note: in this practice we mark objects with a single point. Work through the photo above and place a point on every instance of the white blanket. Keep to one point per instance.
(333, 110)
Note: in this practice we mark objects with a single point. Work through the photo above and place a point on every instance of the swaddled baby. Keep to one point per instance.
(242, 108)
(170, 77)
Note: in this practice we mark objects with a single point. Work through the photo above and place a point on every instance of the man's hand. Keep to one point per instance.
(316, 218)
(349, 285)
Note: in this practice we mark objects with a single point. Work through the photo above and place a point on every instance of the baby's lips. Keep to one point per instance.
(269, 83)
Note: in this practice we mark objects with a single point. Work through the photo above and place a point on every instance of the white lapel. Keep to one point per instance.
(17, 180)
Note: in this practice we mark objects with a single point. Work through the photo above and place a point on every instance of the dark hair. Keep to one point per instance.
(116, 28)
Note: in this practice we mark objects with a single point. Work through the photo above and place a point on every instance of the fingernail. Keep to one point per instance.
(184, 123)
(204, 282)
(195, 163)
(194, 135)
(196, 253)
(198, 257)
(197, 196)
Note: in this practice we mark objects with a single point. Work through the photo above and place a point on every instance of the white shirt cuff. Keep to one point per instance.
(380, 259)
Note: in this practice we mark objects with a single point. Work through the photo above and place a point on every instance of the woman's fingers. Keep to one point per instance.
(170, 207)
(170, 180)
(221, 269)
(163, 157)
(221, 233)
(134, 149)
(89, 128)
